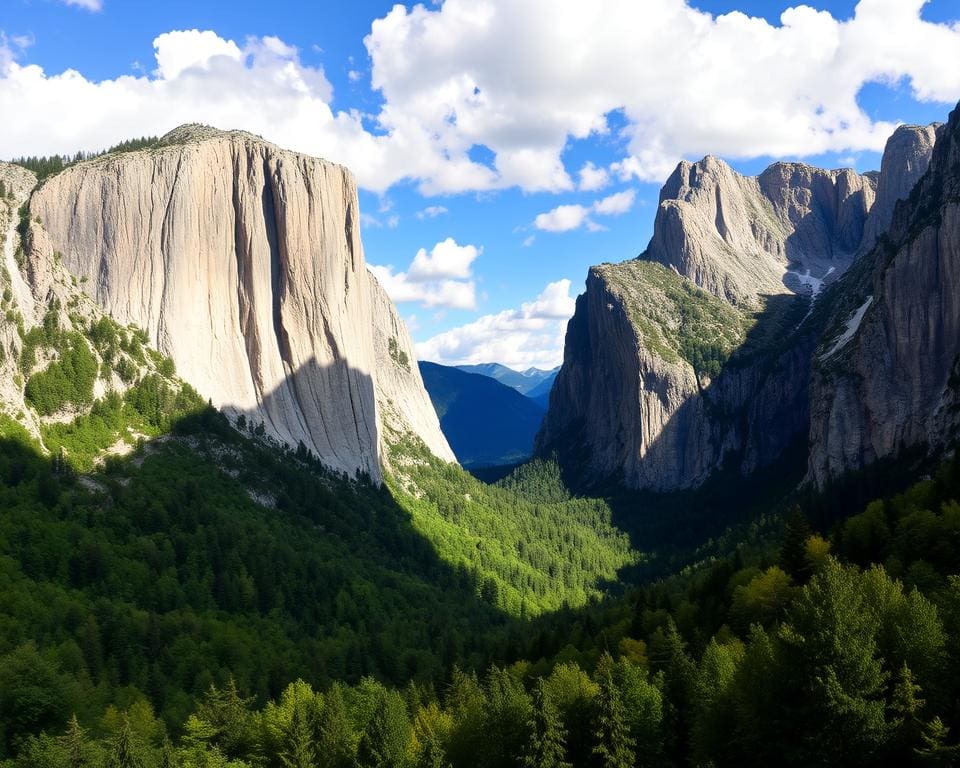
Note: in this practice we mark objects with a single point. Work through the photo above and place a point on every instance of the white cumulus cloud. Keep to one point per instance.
(565, 218)
(178, 52)
(523, 79)
(593, 178)
(529, 336)
(447, 259)
(440, 278)
(616, 204)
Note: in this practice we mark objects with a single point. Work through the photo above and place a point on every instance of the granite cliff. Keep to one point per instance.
(697, 355)
(886, 377)
(243, 263)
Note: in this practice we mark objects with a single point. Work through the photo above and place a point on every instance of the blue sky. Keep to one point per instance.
(468, 123)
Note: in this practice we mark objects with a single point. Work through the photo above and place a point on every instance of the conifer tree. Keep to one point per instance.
(299, 751)
(75, 745)
(905, 706)
(335, 742)
(125, 752)
(793, 551)
(934, 750)
(229, 715)
(384, 740)
(614, 746)
(546, 747)
(679, 679)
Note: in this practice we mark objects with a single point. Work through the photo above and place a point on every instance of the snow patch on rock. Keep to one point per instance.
(853, 325)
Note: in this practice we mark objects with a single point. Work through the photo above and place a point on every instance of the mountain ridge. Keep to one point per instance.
(709, 361)
(487, 423)
(524, 381)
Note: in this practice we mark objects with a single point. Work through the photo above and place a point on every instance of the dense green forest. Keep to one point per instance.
(146, 618)
(211, 554)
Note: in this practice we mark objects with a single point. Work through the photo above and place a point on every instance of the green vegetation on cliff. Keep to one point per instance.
(675, 319)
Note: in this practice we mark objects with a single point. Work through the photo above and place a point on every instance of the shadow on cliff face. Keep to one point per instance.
(743, 437)
(326, 411)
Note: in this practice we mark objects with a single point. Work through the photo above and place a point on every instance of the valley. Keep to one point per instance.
(238, 524)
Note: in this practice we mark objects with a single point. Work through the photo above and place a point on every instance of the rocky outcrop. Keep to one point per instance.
(243, 263)
(18, 183)
(887, 375)
(670, 374)
(663, 383)
(403, 404)
(745, 237)
(905, 160)
(17, 297)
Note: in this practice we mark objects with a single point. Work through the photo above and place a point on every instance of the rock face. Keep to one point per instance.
(18, 183)
(739, 236)
(671, 373)
(662, 382)
(905, 160)
(886, 376)
(243, 263)
(403, 404)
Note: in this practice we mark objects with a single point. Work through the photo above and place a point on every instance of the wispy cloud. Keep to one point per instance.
(89, 5)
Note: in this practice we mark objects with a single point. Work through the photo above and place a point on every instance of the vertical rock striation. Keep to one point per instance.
(243, 263)
(887, 375)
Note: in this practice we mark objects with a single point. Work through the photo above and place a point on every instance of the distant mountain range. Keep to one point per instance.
(486, 420)
(532, 382)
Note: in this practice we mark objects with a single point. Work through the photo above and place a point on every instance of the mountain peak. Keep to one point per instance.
(197, 132)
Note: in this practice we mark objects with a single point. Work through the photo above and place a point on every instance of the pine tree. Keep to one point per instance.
(125, 752)
(793, 551)
(384, 740)
(229, 714)
(504, 724)
(75, 745)
(934, 750)
(299, 751)
(334, 745)
(614, 746)
(905, 707)
(546, 747)
(669, 653)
